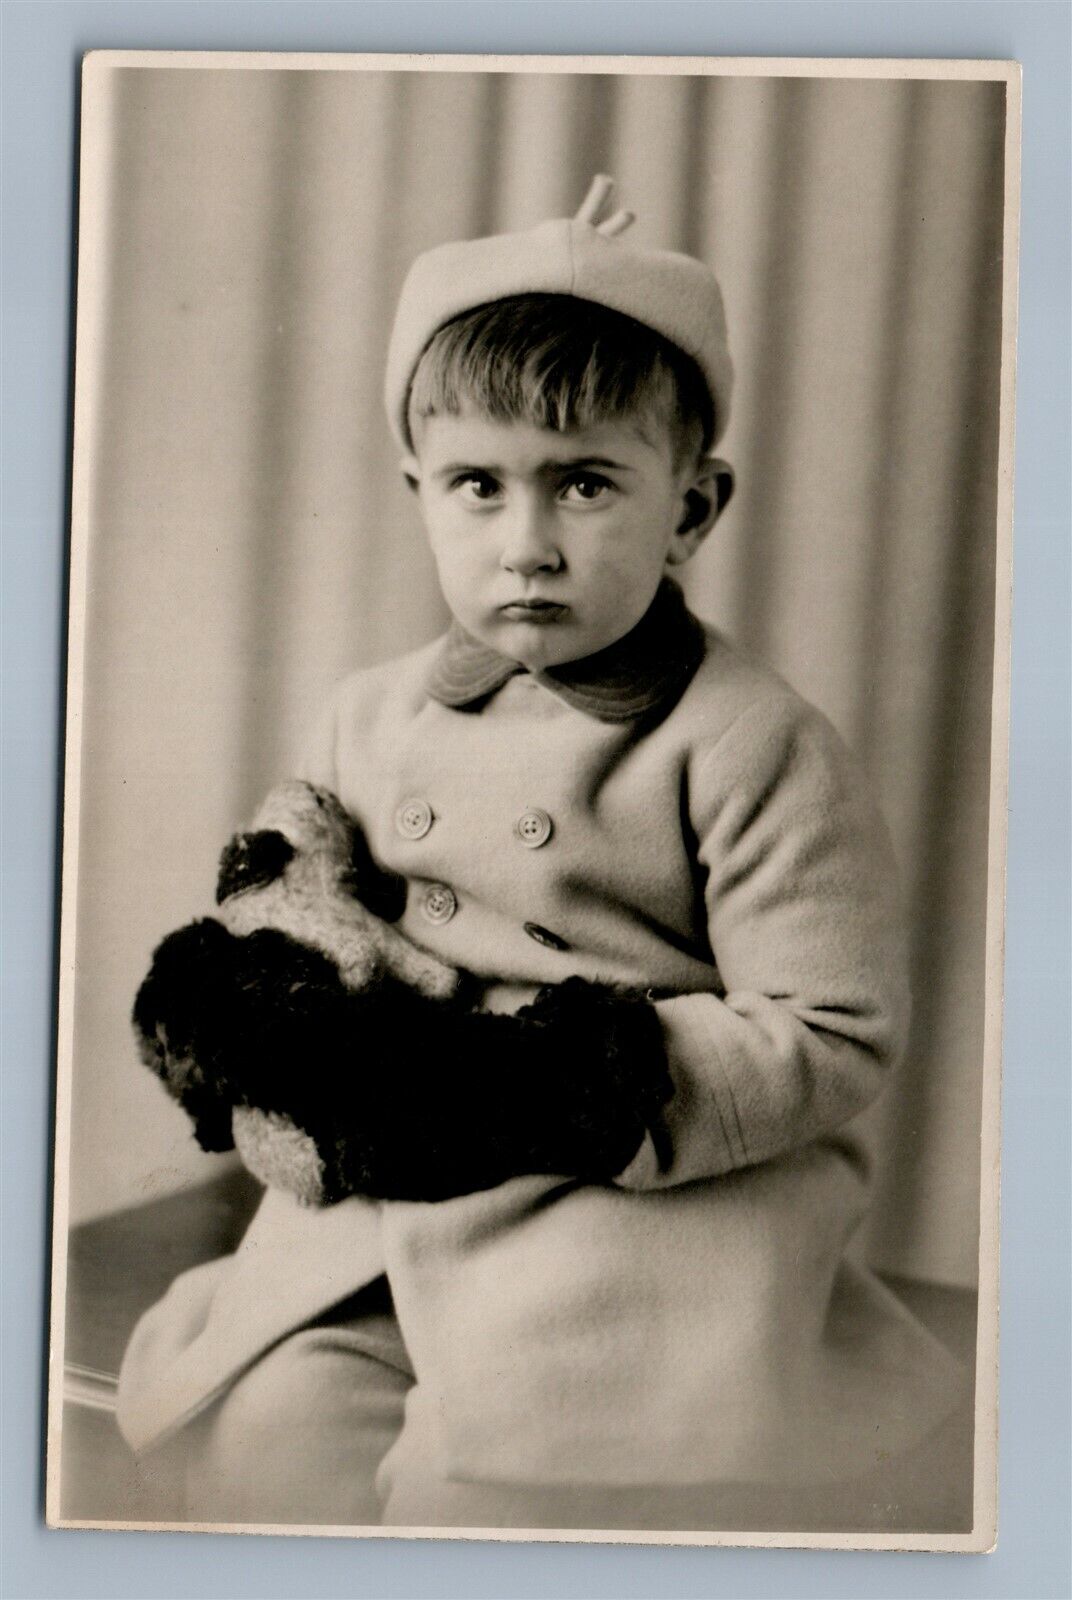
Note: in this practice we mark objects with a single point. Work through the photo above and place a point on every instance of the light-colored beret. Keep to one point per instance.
(675, 294)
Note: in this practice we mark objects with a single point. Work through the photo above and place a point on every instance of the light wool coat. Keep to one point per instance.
(696, 1320)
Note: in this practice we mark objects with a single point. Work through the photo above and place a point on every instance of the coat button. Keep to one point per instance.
(533, 828)
(544, 936)
(439, 903)
(413, 819)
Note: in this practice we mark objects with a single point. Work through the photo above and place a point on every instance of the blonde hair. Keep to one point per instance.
(562, 363)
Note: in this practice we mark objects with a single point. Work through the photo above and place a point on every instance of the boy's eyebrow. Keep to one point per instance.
(449, 468)
(591, 461)
(570, 463)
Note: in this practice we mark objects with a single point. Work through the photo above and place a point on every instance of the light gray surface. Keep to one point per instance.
(41, 44)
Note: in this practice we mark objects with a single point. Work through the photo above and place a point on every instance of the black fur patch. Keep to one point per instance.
(252, 860)
(195, 961)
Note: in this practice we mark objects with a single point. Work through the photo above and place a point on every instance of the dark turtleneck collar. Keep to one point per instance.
(646, 670)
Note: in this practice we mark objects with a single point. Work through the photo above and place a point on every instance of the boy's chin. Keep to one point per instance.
(540, 648)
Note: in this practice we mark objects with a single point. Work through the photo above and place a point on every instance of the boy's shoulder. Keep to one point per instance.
(731, 686)
(746, 730)
(398, 683)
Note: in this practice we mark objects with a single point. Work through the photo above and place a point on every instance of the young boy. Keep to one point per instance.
(596, 1277)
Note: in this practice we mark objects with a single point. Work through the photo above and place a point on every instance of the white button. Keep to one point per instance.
(439, 904)
(533, 828)
(413, 819)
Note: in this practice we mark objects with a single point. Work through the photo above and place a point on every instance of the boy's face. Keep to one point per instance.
(550, 546)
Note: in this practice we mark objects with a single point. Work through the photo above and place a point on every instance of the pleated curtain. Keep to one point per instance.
(250, 538)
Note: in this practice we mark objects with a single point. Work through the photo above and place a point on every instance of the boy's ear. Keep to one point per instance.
(410, 470)
(722, 475)
(706, 498)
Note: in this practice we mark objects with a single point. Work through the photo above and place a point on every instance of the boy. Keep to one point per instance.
(594, 1274)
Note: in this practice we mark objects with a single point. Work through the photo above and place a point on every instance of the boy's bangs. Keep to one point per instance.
(560, 363)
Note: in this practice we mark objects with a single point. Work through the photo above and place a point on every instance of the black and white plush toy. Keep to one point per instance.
(298, 1026)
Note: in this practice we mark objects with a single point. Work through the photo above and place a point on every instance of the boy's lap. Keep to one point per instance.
(298, 1439)
(314, 1434)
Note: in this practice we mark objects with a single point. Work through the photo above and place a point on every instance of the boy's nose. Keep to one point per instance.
(529, 540)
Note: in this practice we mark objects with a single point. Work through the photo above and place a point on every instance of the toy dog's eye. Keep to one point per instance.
(252, 860)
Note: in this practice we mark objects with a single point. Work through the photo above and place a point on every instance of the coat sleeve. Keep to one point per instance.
(806, 935)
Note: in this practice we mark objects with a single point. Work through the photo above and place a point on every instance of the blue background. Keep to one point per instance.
(42, 44)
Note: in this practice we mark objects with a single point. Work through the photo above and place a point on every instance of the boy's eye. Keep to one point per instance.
(586, 487)
(475, 485)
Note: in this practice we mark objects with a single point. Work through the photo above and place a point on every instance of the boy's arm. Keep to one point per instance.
(807, 939)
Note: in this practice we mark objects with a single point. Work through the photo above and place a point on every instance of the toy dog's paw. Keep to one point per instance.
(618, 1030)
(279, 1153)
(577, 1003)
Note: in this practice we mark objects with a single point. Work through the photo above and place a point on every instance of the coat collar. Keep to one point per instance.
(647, 670)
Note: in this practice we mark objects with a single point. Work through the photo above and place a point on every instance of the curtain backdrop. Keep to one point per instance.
(251, 538)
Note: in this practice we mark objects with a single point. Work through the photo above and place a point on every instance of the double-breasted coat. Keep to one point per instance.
(679, 821)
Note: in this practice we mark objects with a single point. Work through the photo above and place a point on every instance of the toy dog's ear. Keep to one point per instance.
(252, 860)
(381, 892)
(198, 959)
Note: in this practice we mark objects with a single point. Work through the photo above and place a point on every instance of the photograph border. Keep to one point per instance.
(1004, 605)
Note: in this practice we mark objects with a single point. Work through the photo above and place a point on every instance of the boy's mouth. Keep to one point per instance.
(534, 610)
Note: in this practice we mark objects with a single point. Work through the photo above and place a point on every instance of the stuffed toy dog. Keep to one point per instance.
(299, 885)
(300, 1027)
